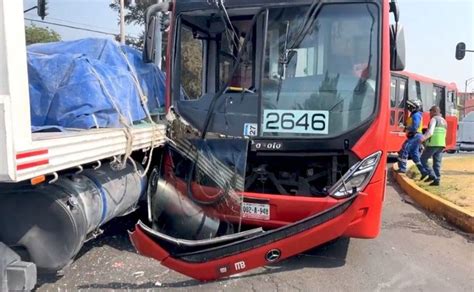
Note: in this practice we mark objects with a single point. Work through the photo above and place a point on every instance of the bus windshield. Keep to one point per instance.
(324, 85)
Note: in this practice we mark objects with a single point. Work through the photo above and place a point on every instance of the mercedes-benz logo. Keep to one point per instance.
(273, 255)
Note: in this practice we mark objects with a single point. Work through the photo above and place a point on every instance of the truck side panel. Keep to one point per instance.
(6, 161)
(15, 133)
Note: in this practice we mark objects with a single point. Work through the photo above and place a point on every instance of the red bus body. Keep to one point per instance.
(406, 85)
(359, 215)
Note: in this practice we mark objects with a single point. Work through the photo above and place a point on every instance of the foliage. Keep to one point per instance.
(136, 42)
(191, 62)
(136, 13)
(36, 34)
(191, 65)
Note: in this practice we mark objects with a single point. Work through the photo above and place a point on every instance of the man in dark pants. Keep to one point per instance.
(435, 142)
(411, 146)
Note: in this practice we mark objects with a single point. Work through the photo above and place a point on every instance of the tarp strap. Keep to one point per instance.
(122, 118)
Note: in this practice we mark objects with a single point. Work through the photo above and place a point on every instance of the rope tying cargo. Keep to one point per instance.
(144, 103)
(122, 119)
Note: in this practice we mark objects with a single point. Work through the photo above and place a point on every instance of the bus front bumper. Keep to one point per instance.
(214, 261)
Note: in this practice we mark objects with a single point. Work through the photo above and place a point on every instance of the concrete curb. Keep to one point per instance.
(453, 213)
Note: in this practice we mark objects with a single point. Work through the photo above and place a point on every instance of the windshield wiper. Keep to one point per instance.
(288, 50)
(283, 61)
(236, 66)
(233, 37)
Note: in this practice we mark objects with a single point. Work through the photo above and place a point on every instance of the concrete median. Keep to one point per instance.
(453, 213)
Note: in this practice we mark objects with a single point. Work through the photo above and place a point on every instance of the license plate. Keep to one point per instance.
(296, 121)
(256, 211)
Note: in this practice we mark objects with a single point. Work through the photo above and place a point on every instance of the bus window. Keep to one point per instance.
(426, 94)
(192, 65)
(402, 94)
(435, 96)
(393, 97)
(402, 90)
(418, 90)
(439, 98)
(414, 91)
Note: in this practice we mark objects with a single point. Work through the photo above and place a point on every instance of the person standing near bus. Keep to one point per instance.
(435, 142)
(411, 146)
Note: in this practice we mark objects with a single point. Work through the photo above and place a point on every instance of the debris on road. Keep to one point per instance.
(138, 274)
(118, 265)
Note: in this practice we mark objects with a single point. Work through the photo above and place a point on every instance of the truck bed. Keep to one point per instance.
(52, 152)
(25, 155)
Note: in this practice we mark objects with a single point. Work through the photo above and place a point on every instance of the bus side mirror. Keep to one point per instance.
(460, 51)
(395, 10)
(149, 42)
(397, 47)
(153, 32)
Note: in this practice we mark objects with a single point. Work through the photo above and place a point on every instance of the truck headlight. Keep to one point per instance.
(357, 178)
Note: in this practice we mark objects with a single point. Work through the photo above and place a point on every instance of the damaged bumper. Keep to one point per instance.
(211, 259)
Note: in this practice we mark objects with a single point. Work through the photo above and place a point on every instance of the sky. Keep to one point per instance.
(432, 30)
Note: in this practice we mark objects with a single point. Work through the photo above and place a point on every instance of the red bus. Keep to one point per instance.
(279, 114)
(405, 85)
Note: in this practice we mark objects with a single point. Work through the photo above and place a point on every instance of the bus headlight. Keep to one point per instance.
(357, 178)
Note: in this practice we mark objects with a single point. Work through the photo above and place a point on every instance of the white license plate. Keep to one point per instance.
(256, 211)
(296, 121)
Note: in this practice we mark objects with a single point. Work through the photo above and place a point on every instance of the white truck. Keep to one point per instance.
(466, 133)
(57, 188)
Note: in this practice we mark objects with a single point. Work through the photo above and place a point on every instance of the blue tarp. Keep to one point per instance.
(83, 83)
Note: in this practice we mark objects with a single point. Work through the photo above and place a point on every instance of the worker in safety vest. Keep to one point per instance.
(413, 128)
(435, 142)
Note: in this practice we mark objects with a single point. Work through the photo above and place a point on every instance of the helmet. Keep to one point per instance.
(414, 104)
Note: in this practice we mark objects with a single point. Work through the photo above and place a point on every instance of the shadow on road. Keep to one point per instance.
(329, 255)
(115, 235)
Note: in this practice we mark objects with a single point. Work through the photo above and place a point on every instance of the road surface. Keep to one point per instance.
(415, 252)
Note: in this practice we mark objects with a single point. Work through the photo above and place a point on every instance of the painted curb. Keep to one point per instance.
(453, 213)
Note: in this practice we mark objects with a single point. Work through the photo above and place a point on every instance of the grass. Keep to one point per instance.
(457, 181)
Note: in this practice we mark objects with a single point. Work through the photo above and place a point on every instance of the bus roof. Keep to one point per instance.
(189, 5)
(418, 77)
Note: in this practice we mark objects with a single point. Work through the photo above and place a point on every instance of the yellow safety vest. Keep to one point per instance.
(410, 122)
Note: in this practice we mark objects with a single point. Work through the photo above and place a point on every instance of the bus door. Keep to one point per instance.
(439, 98)
(398, 97)
(445, 103)
(452, 120)
(451, 103)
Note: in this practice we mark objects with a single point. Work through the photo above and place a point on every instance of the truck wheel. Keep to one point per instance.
(15, 275)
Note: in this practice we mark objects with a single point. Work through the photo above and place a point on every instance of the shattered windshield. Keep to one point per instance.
(327, 85)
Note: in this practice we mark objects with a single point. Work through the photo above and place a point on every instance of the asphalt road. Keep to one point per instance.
(415, 251)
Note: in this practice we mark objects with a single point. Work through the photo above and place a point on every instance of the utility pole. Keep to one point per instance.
(122, 22)
(468, 81)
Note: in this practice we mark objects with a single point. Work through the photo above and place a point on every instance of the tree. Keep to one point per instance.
(136, 13)
(36, 34)
(191, 64)
(191, 55)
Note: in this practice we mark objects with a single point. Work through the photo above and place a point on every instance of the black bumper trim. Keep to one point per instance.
(243, 245)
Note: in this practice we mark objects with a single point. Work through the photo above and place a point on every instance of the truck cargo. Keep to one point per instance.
(79, 122)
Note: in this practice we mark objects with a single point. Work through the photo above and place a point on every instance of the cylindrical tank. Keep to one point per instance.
(52, 221)
(176, 215)
(119, 191)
